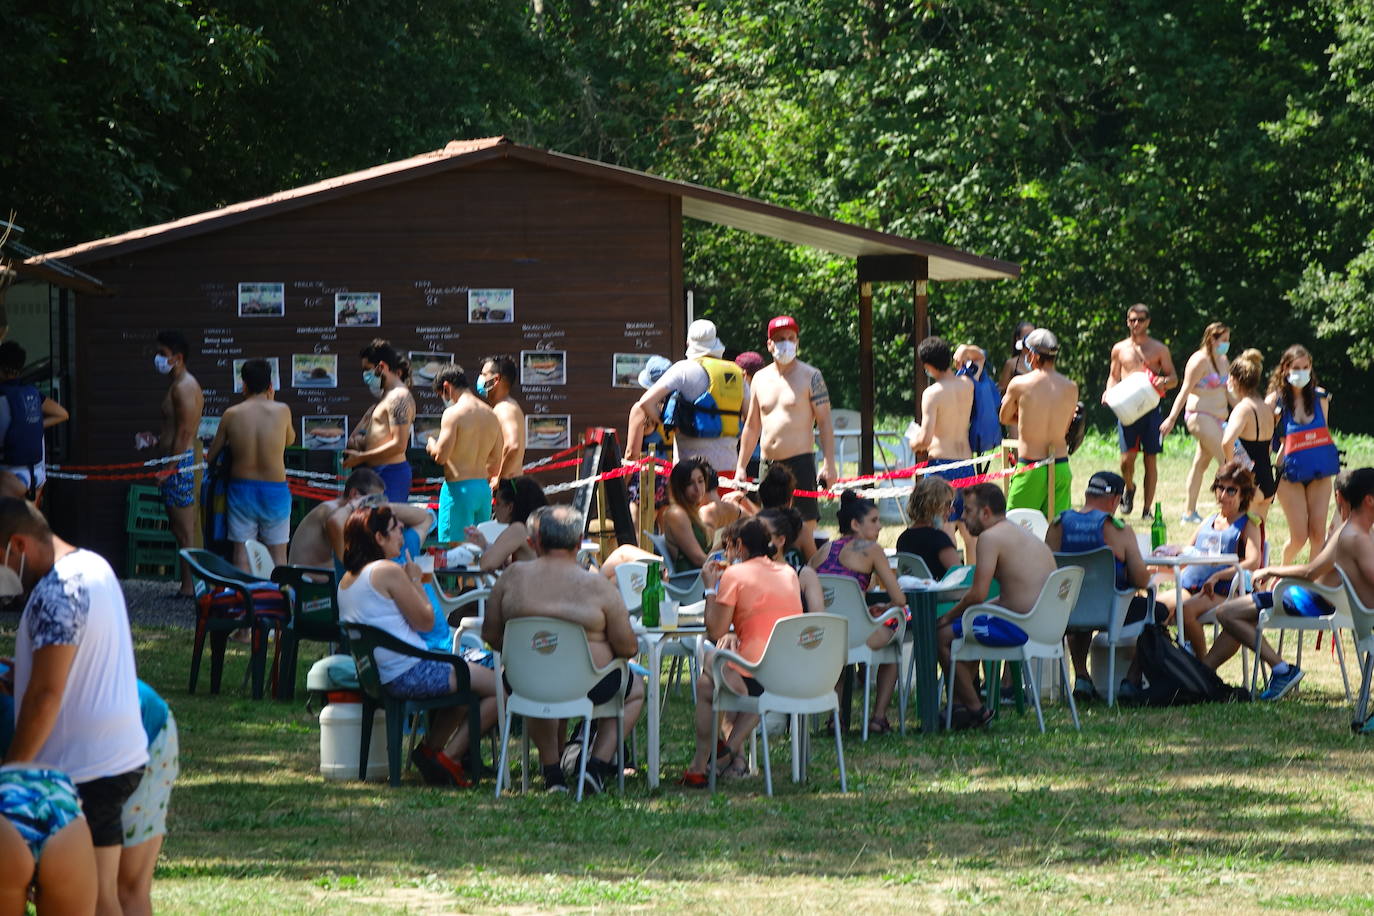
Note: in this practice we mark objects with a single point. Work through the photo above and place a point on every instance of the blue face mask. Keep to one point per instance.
(1222, 347)
(481, 387)
(372, 381)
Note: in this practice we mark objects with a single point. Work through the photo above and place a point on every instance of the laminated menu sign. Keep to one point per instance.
(626, 367)
(358, 309)
(425, 428)
(271, 361)
(491, 306)
(548, 431)
(262, 300)
(315, 370)
(543, 367)
(323, 432)
(425, 365)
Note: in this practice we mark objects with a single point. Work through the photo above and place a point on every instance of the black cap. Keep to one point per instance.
(1105, 483)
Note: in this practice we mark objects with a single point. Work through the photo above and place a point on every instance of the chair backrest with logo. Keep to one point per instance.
(804, 655)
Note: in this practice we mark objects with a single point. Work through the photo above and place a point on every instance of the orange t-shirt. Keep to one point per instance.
(762, 592)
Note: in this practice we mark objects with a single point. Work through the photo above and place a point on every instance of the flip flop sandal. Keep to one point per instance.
(877, 726)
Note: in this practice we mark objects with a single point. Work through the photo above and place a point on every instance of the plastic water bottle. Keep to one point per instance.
(1159, 534)
(652, 595)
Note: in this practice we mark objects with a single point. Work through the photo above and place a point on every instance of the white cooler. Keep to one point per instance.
(341, 734)
(1132, 397)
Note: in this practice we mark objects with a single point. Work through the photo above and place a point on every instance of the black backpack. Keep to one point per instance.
(1175, 677)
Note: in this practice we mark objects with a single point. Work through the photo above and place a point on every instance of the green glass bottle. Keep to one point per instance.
(1159, 534)
(651, 596)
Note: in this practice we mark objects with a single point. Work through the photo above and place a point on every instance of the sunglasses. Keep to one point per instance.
(1226, 491)
(1137, 320)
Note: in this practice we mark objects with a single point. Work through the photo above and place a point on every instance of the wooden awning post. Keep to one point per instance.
(920, 330)
(866, 378)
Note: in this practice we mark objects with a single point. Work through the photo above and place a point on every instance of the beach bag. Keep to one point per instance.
(984, 428)
(1175, 677)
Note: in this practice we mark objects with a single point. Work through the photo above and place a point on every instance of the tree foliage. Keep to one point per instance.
(1210, 159)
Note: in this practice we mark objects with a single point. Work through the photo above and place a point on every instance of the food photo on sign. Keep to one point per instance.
(315, 370)
(543, 367)
(491, 306)
(358, 310)
(271, 361)
(425, 428)
(425, 365)
(262, 300)
(626, 367)
(548, 432)
(323, 432)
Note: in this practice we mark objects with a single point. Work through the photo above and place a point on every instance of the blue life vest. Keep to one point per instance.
(24, 438)
(1308, 452)
(1082, 530)
(1210, 540)
(984, 428)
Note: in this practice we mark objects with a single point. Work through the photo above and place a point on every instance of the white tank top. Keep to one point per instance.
(361, 603)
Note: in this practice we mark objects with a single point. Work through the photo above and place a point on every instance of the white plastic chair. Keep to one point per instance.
(1102, 606)
(260, 562)
(1044, 625)
(1276, 618)
(491, 529)
(1362, 621)
(908, 564)
(550, 670)
(798, 671)
(1033, 520)
(844, 598)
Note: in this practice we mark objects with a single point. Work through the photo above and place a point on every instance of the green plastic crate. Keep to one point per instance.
(146, 512)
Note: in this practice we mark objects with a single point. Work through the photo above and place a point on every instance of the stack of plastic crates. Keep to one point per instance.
(152, 551)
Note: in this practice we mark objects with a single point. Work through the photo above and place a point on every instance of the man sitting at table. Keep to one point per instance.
(1094, 526)
(554, 585)
(1239, 616)
(1021, 564)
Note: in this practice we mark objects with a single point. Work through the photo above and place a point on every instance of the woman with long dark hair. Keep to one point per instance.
(1308, 460)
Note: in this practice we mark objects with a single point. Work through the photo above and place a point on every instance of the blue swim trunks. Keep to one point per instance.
(259, 510)
(1142, 435)
(179, 487)
(397, 479)
(993, 632)
(422, 680)
(38, 802)
(956, 511)
(462, 503)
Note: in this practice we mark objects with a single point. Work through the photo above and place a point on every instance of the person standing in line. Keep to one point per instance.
(468, 448)
(1041, 405)
(181, 410)
(1204, 401)
(494, 386)
(1308, 459)
(788, 403)
(1140, 352)
(25, 414)
(381, 438)
(946, 405)
(257, 431)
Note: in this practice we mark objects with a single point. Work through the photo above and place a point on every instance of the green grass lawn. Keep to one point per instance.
(1247, 807)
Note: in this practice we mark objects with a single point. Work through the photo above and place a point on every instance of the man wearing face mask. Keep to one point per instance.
(468, 448)
(494, 386)
(75, 690)
(381, 438)
(257, 432)
(787, 401)
(181, 410)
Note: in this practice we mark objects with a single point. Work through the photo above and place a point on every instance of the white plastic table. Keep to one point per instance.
(652, 642)
(1177, 563)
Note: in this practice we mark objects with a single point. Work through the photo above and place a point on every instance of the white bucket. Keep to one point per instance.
(341, 734)
(1132, 397)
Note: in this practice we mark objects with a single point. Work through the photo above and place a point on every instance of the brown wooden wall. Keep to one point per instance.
(588, 260)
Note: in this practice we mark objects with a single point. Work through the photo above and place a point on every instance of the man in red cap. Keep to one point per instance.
(787, 400)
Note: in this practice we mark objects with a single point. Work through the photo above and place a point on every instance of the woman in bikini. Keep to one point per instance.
(1250, 429)
(857, 554)
(1308, 459)
(1203, 401)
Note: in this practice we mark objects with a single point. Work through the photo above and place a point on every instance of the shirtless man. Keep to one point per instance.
(553, 585)
(468, 448)
(1348, 547)
(1017, 559)
(494, 385)
(1041, 404)
(787, 399)
(942, 434)
(380, 440)
(1141, 353)
(181, 409)
(257, 431)
(313, 544)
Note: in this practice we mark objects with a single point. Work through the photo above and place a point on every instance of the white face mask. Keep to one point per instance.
(1026, 362)
(11, 582)
(373, 381)
(1299, 378)
(784, 351)
(163, 363)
